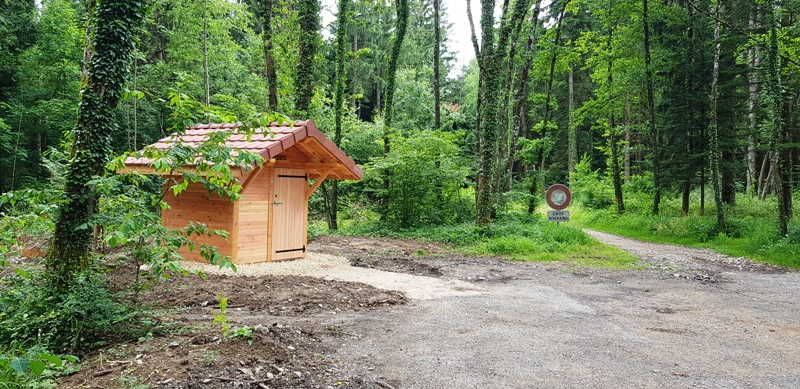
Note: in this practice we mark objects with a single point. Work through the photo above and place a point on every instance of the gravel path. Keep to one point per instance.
(690, 319)
(683, 259)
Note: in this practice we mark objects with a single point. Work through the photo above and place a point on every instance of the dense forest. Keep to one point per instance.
(669, 98)
(677, 120)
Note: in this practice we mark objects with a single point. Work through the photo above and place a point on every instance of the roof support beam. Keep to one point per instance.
(317, 183)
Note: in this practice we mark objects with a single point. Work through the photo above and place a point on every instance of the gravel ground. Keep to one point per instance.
(690, 319)
(338, 268)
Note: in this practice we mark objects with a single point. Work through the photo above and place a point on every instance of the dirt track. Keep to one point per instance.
(692, 318)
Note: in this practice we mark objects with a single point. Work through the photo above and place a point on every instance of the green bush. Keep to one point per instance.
(427, 175)
(76, 320)
(590, 188)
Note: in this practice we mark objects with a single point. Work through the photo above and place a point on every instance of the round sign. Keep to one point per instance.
(558, 197)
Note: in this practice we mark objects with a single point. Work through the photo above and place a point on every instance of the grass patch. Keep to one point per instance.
(515, 236)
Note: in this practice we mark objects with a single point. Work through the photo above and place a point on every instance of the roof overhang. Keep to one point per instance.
(320, 156)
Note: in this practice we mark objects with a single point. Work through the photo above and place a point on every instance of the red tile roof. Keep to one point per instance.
(267, 142)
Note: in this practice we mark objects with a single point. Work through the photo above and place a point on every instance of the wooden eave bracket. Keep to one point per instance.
(317, 183)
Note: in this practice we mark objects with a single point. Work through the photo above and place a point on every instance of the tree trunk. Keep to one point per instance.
(755, 62)
(308, 18)
(612, 130)
(342, 21)
(713, 129)
(489, 125)
(205, 55)
(400, 32)
(437, 58)
(549, 88)
(264, 10)
(572, 141)
(773, 109)
(627, 140)
(520, 127)
(654, 138)
(512, 30)
(116, 21)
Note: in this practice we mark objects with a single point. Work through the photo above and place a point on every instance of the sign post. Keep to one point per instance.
(558, 197)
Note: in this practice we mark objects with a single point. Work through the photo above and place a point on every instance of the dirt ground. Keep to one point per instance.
(690, 318)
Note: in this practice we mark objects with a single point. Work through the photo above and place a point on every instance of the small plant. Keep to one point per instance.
(25, 369)
(133, 382)
(211, 358)
(244, 332)
(220, 317)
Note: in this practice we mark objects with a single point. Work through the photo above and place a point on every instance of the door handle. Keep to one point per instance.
(276, 203)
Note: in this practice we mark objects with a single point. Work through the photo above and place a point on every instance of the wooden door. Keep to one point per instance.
(288, 218)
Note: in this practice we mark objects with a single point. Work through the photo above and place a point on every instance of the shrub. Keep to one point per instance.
(76, 320)
(590, 188)
(427, 176)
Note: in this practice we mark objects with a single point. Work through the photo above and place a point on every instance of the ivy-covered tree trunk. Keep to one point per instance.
(488, 126)
(651, 110)
(114, 23)
(612, 130)
(774, 124)
(520, 113)
(342, 21)
(754, 60)
(264, 11)
(713, 129)
(391, 72)
(510, 30)
(437, 59)
(206, 77)
(572, 130)
(549, 88)
(308, 15)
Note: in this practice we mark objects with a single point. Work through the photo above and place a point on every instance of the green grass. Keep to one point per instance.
(515, 236)
(752, 229)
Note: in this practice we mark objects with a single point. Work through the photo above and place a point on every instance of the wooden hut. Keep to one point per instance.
(270, 221)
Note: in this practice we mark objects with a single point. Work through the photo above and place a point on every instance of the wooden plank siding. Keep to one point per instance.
(196, 205)
(253, 219)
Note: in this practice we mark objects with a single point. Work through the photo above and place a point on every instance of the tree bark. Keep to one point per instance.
(400, 33)
(755, 62)
(308, 18)
(206, 80)
(264, 10)
(774, 104)
(519, 115)
(572, 138)
(713, 129)
(437, 58)
(115, 22)
(612, 127)
(342, 21)
(549, 88)
(651, 110)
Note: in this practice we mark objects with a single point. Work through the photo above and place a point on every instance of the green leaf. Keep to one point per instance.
(37, 367)
(71, 358)
(20, 364)
(54, 359)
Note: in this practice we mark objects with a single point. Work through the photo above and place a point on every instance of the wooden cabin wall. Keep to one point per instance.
(194, 204)
(253, 219)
